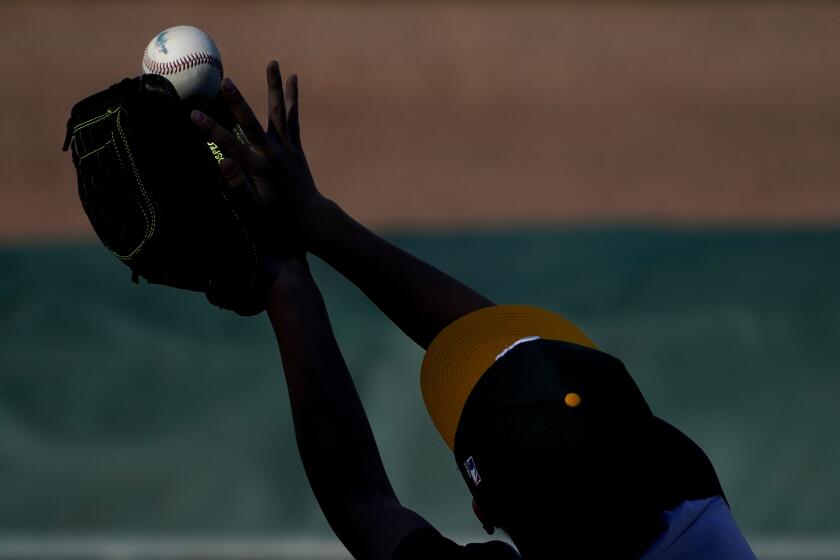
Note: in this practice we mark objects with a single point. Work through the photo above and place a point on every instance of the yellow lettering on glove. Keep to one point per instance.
(217, 153)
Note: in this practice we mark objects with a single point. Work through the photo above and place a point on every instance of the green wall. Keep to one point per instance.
(140, 409)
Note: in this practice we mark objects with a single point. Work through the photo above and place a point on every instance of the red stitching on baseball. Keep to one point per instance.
(180, 64)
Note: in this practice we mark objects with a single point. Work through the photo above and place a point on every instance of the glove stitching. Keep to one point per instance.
(92, 121)
(149, 228)
(102, 147)
(151, 231)
(145, 219)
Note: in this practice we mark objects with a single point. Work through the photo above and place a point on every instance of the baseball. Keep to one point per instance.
(188, 58)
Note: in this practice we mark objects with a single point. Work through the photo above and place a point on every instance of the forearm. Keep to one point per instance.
(420, 299)
(417, 297)
(334, 438)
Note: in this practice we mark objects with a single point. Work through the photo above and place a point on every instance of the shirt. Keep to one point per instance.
(696, 530)
(700, 530)
(429, 544)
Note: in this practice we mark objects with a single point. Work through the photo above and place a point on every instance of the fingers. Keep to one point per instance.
(243, 114)
(293, 122)
(235, 177)
(232, 152)
(276, 101)
(226, 141)
(242, 193)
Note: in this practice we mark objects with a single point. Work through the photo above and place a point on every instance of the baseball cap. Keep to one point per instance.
(461, 353)
(522, 395)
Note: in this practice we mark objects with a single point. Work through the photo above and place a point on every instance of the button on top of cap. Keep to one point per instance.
(572, 399)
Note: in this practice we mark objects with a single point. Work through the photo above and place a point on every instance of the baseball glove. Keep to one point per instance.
(154, 194)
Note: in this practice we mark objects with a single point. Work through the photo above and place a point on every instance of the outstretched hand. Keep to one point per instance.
(271, 168)
(272, 171)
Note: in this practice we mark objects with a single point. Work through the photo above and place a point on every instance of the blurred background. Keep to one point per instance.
(666, 174)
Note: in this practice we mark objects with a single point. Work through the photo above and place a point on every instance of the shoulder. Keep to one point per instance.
(700, 529)
(428, 543)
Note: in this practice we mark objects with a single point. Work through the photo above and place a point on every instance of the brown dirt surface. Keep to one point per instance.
(436, 115)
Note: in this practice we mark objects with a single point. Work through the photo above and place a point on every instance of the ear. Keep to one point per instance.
(488, 525)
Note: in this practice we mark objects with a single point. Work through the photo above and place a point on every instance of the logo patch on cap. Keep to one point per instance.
(472, 470)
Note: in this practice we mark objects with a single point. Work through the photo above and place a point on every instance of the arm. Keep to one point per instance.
(334, 438)
(420, 299)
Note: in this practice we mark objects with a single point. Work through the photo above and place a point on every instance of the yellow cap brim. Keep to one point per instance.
(461, 353)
